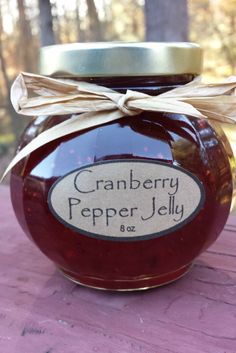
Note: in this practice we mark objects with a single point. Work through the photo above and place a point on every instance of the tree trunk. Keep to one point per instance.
(16, 124)
(6, 80)
(95, 31)
(56, 23)
(25, 38)
(80, 31)
(46, 23)
(166, 20)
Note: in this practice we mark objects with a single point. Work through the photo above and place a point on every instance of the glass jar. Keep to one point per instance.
(129, 204)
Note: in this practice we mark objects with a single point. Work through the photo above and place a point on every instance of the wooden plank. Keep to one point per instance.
(42, 312)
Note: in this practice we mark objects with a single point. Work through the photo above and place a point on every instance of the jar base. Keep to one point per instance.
(126, 285)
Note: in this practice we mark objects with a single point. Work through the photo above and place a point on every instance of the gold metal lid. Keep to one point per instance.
(121, 59)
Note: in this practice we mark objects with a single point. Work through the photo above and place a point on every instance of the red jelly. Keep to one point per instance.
(129, 204)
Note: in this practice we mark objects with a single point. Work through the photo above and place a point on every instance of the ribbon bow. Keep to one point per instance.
(91, 105)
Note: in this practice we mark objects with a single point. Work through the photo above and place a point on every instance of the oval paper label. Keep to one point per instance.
(126, 199)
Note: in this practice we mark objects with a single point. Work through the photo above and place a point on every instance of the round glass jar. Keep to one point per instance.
(129, 204)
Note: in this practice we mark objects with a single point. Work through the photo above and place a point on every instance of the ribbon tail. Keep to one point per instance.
(220, 108)
(174, 106)
(74, 124)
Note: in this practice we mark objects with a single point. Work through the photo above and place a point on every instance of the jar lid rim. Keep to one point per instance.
(121, 59)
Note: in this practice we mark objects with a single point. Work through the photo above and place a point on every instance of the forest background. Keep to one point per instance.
(25, 25)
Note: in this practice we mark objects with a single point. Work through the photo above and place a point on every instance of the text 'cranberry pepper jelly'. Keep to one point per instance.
(129, 204)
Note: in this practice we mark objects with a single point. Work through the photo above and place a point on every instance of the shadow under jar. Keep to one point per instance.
(129, 204)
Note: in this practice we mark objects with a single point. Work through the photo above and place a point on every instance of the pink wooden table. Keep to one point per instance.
(41, 312)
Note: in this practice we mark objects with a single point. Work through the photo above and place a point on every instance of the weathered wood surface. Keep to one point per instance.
(41, 312)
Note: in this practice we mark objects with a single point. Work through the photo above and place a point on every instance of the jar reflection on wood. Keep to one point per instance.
(186, 153)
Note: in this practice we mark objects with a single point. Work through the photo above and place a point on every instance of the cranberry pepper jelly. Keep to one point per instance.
(129, 204)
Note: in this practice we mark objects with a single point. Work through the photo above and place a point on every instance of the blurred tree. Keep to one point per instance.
(213, 25)
(6, 79)
(25, 38)
(79, 30)
(46, 23)
(166, 21)
(223, 22)
(121, 23)
(15, 123)
(56, 22)
(95, 33)
(67, 25)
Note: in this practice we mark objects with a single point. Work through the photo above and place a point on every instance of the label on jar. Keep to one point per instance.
(126, 199)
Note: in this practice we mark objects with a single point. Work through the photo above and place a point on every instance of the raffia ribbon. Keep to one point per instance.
(92, 105)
